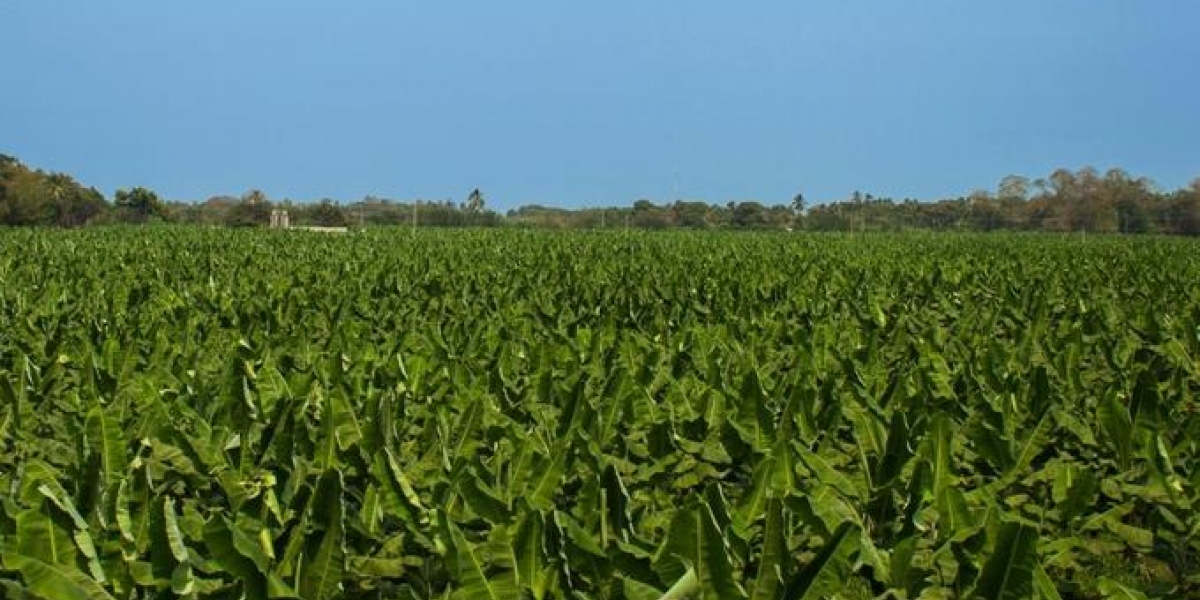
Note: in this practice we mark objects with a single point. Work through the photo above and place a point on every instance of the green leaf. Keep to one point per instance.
(940, 438)
(550, 476)
(1031, 447)
(58, 496)
(54, 581)
(124, 514)
(953, 515)
(389, 568)
(694, 543)
(346, 427)
(826, 574)
(783, 471)
(616, 498)
(529, 553)
(39, 536)
(1139, 539)
(321, 578)
(218, 538)
(829, 475)
(1046, 590)
(636, 590)
(174, 536)
(1079, 487)
(1117, 426)
(108, 443)
(81, 534)
(772, 568)
(481, 500)
(686, 587)
(471, 573)
(750, 506)
(464, 431)
(1008, 572)
(397, 496)
(580, 538)
(183, 581)
(1115, 590)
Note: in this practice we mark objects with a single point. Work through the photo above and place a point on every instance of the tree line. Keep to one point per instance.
(1065, 201)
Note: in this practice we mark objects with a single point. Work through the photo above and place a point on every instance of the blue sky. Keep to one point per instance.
(573, 103)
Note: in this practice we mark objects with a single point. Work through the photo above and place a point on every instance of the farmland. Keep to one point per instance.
(212, 413)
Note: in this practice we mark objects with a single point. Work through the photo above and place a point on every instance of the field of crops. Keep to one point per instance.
(505, 414)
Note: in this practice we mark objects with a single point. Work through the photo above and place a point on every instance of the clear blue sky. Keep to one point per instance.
(586, 103)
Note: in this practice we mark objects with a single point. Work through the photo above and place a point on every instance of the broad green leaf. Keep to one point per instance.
(81, 534)
(687, 586)
(1043, 585)
(616, 503)
(750, 506)
(549, 478)
(695, 544)
(243, 535)
(472, 573)
(529, 553)
(108, 443)
(54, 581)
(1008, 572)
(481, 500)
(636, 590)
(772, 563)
(41, 536)
(826, 574)
(390, 568)
(1117, 426)
(1115, 590)
(218, 539)
(346, 427)
(174, 535)
(321, 577)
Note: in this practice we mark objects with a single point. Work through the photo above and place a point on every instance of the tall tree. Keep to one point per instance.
(798, 203)
(475, 201)
(749, 214)
(253, 211)
(1187, 210)
(34, 197)
(255, 196)
(138, 205)
(1013, 187)
(328, 214)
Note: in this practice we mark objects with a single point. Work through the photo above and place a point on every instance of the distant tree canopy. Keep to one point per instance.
(138, 205)
(475, 201)
(253, 210)
(325, 213)
(1064, 201)
(34, 197)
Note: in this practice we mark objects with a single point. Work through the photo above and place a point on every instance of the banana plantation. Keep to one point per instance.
(504, 414)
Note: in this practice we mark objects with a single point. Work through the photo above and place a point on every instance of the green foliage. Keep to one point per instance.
(502, 414)
(138, 205)
(1008, 572)
(34, 197)
(251, 211)
(323, 214)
